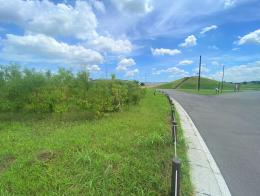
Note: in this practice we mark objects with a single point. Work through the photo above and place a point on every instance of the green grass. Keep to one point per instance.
(208, 86)
(250, 86)
(206, 83)
(125, 153)
(192, 83)
(170, 85)
(204, 91)
(186, 186)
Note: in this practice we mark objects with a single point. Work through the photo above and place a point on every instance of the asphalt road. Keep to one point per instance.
(230, 126)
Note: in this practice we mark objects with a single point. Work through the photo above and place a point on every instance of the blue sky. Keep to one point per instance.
(147, 40)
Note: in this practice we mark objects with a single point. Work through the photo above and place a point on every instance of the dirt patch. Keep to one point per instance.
(6, 161)
(46, 156)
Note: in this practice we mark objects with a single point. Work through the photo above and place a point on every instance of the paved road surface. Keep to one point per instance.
(230, 126)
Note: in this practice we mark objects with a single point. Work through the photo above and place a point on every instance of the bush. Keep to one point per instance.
(32, 91)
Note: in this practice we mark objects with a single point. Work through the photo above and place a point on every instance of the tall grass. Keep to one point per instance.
(124, 153)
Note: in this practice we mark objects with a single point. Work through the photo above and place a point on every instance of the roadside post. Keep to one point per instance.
(176, 177)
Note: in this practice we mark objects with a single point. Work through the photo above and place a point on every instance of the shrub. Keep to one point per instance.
(32, 91)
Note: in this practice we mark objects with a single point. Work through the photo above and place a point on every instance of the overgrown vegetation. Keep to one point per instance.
(124, 153)
(31, 91)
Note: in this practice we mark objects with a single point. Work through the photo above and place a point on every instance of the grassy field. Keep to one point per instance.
(250, 86)
(123, 153)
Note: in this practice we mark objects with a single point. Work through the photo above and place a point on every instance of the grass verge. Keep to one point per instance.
(204, 91)
(123, 153)
(186, 185)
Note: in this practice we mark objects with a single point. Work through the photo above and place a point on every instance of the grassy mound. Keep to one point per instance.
(192, 83)
(171, 85)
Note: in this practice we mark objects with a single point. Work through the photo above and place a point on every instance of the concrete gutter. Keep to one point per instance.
(206, 176)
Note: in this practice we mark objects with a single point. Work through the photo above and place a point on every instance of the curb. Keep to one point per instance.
(206, 176)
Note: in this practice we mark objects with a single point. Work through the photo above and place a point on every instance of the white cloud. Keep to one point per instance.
(252, 37)
(48, 18)
(124, 64)
(131, 73)
(171, 70)
(185, 62)
(108, 44)
(229, 3)
(209, 28)
(189, 41)
(93, 68)
(176, 71)
(98, 5)
(241, 73)
(134, 6)
(164, 51)
(41, 48)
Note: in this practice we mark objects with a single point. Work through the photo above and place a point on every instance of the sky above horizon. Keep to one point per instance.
(146, 40)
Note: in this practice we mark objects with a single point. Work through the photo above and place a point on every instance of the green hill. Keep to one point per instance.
(171, 85)
(192, 83)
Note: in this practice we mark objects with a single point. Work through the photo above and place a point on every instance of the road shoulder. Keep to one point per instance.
(206, 176)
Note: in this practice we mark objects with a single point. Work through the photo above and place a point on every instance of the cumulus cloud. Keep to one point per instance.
(189, 41)
(98, 5)
(252, 37)
(164, 51)
(93, 68)
(185, 62)
(131, 73)
(42, 48)
(134, 6)
(241, 73)
(175, 71)
(124, 64)
(51, 19)
(108, 44)
(207, 29)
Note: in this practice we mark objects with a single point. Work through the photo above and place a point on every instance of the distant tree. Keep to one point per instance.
(113, 76)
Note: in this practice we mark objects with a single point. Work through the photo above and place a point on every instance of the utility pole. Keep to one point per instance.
(222, 82)
(199, 74)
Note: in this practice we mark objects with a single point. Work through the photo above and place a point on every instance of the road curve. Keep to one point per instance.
(230, 126)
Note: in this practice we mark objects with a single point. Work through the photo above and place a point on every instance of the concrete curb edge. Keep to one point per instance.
(211, 162)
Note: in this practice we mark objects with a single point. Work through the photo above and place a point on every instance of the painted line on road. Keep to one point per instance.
(215, 182)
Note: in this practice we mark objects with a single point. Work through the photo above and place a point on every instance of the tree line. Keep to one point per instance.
(27, 90)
